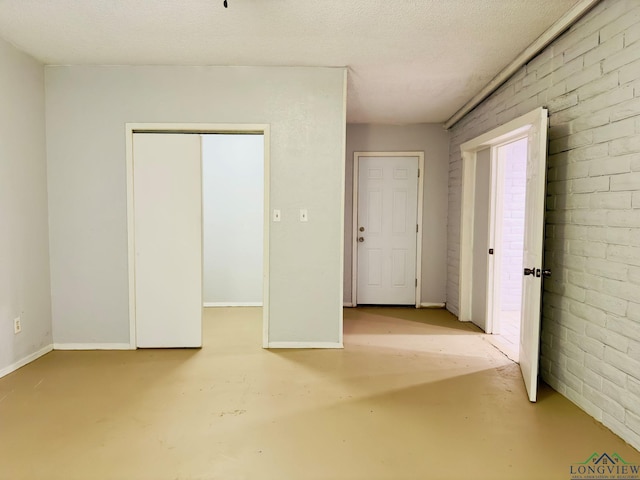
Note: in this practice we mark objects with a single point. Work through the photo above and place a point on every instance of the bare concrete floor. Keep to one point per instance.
(508, 340)
(414, 395)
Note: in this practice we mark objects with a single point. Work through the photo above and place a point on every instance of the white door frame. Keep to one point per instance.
(195, 128)
(354, 229)
(510, 131)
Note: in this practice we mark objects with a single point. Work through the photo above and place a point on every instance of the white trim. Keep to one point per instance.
(92, 346)
(421, 175)
(354, 218)
(131, 244)
(512, 130)
(504, 133)
(266, 299)
(201, 173)
(25, 360)
(196, 128)
(305, 345)
(354, 233)
(347, 304)
(231, 304)
(342, 206)
(432, 305)
(554, 31)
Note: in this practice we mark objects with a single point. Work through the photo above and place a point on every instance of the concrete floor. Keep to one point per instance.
(414, 395)
(508, 340)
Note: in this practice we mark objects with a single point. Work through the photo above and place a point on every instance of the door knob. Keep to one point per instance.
(546, 273)
(530, 271)
(361, 239)
(361, 229)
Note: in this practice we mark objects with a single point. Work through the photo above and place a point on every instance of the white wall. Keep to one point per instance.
(24, 236)
(87, 109)
(232, 218)
(434, 141)
(589, 79)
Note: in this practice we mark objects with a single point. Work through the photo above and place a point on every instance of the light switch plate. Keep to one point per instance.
(276, 215)
(17, 325)
(304, 216)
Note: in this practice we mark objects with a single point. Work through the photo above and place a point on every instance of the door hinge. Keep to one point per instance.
(418, 173)
(416, 282)
(416, 228)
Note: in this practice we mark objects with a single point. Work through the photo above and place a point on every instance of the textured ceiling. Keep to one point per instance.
(410, 61)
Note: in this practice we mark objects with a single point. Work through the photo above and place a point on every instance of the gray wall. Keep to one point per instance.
(590, 80)
(24, 236)
(87, 108)
(433, 140)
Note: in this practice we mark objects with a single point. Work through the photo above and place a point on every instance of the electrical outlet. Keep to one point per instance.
(17, 325)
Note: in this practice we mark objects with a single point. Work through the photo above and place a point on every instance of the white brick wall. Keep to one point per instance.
(512, 245)
(589, 79)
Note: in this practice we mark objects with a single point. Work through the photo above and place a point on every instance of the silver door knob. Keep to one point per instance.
(361, 239)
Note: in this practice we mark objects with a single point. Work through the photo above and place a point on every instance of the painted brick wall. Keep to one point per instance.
(589, 79)
(515, 181)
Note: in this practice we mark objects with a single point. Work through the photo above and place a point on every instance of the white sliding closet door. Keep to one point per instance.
(167, 184)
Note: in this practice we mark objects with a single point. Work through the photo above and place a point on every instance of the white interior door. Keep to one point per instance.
(387, 223)
(167, 188)
(534, 125)
(533, 253)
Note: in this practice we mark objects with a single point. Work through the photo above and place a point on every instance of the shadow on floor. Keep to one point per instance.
(403, 320)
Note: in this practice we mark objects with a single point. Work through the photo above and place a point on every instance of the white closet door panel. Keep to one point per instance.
(168, 239)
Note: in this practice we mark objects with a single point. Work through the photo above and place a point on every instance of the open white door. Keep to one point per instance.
(533, 254)
(534, 126)
(167, 188)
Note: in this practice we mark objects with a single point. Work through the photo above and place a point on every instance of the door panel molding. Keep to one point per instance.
(419, 215)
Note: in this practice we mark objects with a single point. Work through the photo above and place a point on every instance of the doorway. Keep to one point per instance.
(475, 282)
(508, 186)
(387, 228)
(164, 186)
(232, 219)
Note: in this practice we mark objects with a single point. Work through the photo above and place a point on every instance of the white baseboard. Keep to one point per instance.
(92, 346)
(305, 345)
(422, 305)
(231, 304)
(22, 362)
